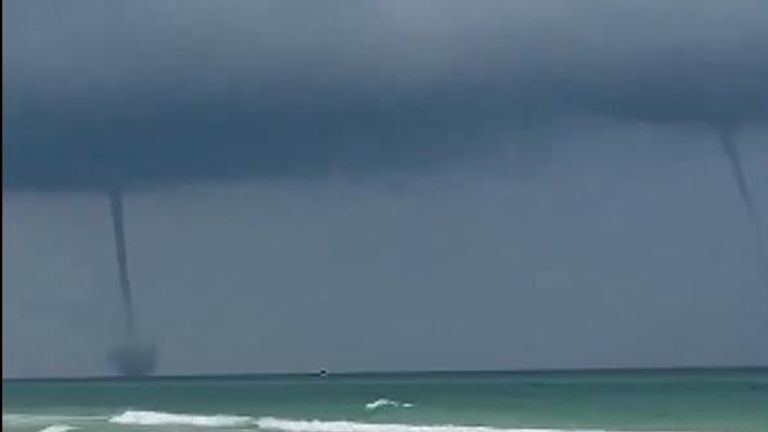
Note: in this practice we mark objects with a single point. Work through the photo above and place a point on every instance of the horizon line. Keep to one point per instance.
(325, 373)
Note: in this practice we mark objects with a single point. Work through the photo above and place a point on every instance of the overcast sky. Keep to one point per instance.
(385, 185)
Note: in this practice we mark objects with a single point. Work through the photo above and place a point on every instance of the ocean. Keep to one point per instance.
(694, 400)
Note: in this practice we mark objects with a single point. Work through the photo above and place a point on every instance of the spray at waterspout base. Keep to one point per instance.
(134, 358)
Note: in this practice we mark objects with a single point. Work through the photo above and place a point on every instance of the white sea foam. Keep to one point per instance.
(11, 420)
(155, 418)
(158, 418)
(287, 425)
(58, 428)
(380, 403)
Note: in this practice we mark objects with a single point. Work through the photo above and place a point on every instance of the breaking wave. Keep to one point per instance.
(154, 418)
(158, 418)
(380, 403)
(56, 422)
(58, 428)
(287, 425)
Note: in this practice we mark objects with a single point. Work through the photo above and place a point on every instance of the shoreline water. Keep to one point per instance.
(680, 400)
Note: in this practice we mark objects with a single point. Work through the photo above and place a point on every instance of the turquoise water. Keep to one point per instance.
(441, 402)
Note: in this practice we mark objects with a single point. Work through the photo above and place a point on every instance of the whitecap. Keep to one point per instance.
(288, 425)
(156, 418)
(13, 419)
(380, 403)
(58, 428)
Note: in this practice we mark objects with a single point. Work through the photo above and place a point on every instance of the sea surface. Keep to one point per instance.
(704, 400)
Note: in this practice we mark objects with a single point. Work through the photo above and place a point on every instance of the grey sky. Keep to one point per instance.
(385, 185)
(98, 90)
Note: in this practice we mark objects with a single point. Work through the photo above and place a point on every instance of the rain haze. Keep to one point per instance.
(399, 185)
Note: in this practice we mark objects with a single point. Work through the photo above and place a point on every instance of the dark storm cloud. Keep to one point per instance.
(148, 92)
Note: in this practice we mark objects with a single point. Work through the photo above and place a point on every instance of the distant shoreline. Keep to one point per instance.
(405, 373)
